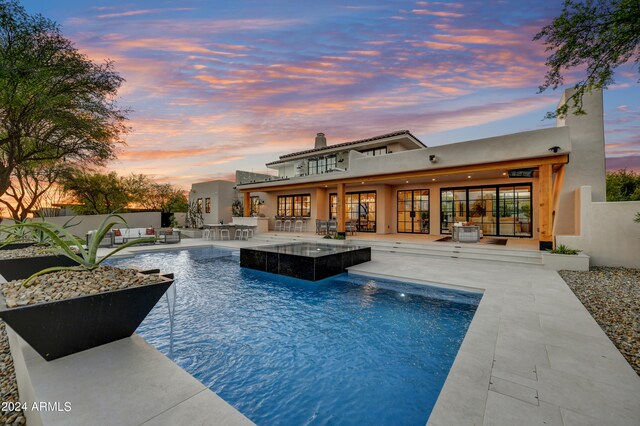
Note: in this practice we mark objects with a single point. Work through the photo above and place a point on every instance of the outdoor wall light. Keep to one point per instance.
(433, 158)
(555, 149)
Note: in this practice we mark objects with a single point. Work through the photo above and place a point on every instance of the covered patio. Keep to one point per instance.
(512, 200)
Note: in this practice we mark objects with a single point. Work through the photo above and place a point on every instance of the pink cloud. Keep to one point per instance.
(365, 52)
(141, 12)
(439, 46)
(435, 13)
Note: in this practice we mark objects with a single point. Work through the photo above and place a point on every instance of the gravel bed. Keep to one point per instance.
(73, 283)
(612, 296)
(24, 252)
(8, 384)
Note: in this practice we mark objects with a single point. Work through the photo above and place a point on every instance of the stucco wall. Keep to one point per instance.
(221, 193)
(607, 232)
(87, 223)
(586, 162)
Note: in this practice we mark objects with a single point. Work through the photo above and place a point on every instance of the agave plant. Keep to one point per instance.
(66, 244)
(41, 238)
(16, 233)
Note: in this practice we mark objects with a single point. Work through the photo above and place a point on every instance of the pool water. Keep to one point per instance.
(345, 350)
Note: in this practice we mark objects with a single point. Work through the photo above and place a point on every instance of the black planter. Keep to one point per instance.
(14, 246)
(64, 327)
(24, 267)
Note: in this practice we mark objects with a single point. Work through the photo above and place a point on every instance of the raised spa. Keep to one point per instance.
(307, 261)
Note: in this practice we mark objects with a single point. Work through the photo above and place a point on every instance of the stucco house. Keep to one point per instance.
(520, 185)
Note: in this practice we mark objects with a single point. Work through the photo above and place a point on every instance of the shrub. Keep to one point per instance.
(562, 249)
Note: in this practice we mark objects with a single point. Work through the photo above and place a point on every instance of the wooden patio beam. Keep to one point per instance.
(545, 186)
(342, 195)
(246, 206)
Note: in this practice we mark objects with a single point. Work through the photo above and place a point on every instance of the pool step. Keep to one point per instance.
(450, 250)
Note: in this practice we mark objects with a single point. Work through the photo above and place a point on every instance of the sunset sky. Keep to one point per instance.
(217, 86)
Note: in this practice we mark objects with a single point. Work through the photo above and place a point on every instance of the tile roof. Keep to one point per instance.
(374, 138)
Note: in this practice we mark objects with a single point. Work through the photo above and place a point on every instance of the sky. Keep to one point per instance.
(216, 86)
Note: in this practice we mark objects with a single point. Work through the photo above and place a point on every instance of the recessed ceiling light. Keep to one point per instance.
(504, 173)
(469, 177)
(363, 183)
(325, 186)
(433, 180)
(407, 181)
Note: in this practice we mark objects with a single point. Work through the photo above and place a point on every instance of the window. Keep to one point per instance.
(294, 205)
(207, 205)
(322, 164)
(502, 210)
(360, 208)
(375, 151)
(199, 204)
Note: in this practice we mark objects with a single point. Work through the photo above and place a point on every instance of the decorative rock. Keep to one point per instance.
(30, 251)
(8, 383)
(612, 296)
(73, 283)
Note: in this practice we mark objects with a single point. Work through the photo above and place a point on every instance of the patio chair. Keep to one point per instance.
(333, 226)
(107, 241)
(321, 226)
(351, 227)
(298, 225)
(168, 236)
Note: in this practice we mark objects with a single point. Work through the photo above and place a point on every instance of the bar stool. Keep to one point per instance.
(278, 226)
(224, 232)
(298, 225)
(245, 234)
(238, 235)
(250, 231)
(206, 234)
(287, 225)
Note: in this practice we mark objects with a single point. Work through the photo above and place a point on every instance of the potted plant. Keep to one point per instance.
(17, 239)
(62, 310)
(27, 251)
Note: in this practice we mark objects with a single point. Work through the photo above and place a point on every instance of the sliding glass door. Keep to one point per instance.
(500, 210)
(413, 211)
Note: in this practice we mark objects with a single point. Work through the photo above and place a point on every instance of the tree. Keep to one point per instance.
(30, 183)
(623, 185)
(97, 193)
(55, 103)
(595, 35)
(100, 193)
(165, 197)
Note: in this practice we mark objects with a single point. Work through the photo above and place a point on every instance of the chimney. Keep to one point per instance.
(321, 141)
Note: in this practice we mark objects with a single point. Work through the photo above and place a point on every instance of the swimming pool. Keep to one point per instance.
(345, 350)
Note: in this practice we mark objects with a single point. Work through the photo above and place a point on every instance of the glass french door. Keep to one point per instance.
(413, 211)
(360, 209)
(499, 210)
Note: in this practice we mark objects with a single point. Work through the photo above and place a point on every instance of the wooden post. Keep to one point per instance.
(545, 184)
(247, 204)
(557, 187)
(341, 209)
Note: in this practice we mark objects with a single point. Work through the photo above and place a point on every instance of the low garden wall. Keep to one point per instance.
(87, 223)
(607, 231)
